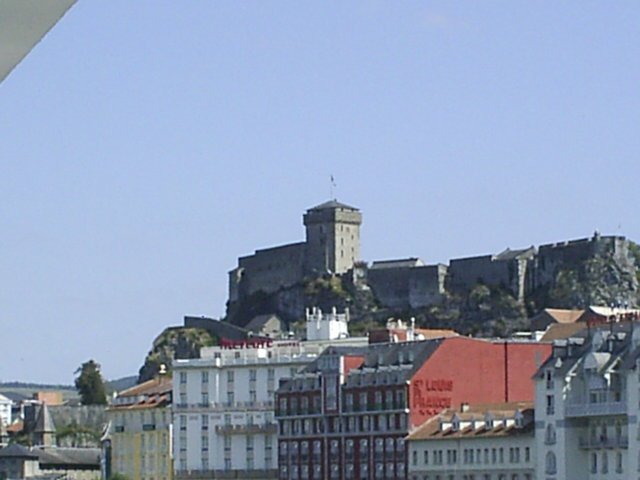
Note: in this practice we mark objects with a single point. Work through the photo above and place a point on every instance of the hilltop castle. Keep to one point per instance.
(332, 247)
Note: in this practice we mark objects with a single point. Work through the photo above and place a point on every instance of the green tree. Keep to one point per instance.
(90, 385)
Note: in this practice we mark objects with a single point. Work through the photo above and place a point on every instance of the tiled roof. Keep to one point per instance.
(433, 428)
(430, 333)
(562, 315)
(150, 394)
(558, 331)
(15, 427)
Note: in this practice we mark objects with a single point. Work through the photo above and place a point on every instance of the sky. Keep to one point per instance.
(145, 145)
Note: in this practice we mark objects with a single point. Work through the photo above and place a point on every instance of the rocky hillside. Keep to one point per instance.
(603, 279)
(174, 343)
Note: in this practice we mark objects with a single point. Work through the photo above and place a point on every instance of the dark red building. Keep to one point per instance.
(346, 415)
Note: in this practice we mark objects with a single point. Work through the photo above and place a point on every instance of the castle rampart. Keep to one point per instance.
(332, 246)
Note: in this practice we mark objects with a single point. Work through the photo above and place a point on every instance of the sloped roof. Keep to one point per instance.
(15, 427)
(331, 204)
(259, 321)
(44, 423)
(156, 385)
(432, 430)
(150, 394)
(61, 457)
(430, 333)
(16, 450)
(563, 315)
(558, 331)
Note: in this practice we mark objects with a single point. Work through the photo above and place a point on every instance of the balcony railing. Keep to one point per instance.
(595, 409)
(254, 428)
(602, 442)
(224, 406)
(225, 474)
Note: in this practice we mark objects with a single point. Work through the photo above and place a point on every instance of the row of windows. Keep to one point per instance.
(364, 424)
(388, 400)
(388, 445)
(471, 456)
(600, 462)
(471, 476)
(381, 470)
(253, 375)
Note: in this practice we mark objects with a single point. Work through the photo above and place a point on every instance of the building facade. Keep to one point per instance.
(346, 415)
(224, 412)
(494, 442)
(223, 415)
(140, 431)
(587, 402)
(5, 410)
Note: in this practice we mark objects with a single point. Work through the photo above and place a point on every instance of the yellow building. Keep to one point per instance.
(140, 431)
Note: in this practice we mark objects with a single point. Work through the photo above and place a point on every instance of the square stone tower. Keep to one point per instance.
(333, 237)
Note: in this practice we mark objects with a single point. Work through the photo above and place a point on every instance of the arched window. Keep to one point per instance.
(550, 435)
(550, 463)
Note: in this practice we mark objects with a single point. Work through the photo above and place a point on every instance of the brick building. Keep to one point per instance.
(346, 415)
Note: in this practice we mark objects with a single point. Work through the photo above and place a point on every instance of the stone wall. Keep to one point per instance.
(270, 269)
(408, 286)
(464, 273)
(554, 257)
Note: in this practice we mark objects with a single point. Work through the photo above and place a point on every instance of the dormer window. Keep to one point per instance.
(519, 419)
(488, 421)
(455, 423)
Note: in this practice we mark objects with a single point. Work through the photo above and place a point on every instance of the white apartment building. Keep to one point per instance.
(476, 443)
(587, 404)
(223, 406)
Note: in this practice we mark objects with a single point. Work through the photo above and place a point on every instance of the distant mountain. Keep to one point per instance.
(35, 386)
(120, 384)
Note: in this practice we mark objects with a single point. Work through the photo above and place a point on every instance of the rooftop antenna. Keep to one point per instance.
(332, 184)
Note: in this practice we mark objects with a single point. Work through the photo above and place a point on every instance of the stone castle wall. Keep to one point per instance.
(407, 286)
(552, 258)
(268, 270)
(332, 245)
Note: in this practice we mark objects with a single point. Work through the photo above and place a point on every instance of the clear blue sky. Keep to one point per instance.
(144, 146)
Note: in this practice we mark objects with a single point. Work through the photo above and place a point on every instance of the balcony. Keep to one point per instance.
(226, 474)
(245, 429)
(595, 409)
(223, 406)
(601, 442)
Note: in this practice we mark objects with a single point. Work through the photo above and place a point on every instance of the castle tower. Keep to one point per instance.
(333, 237)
